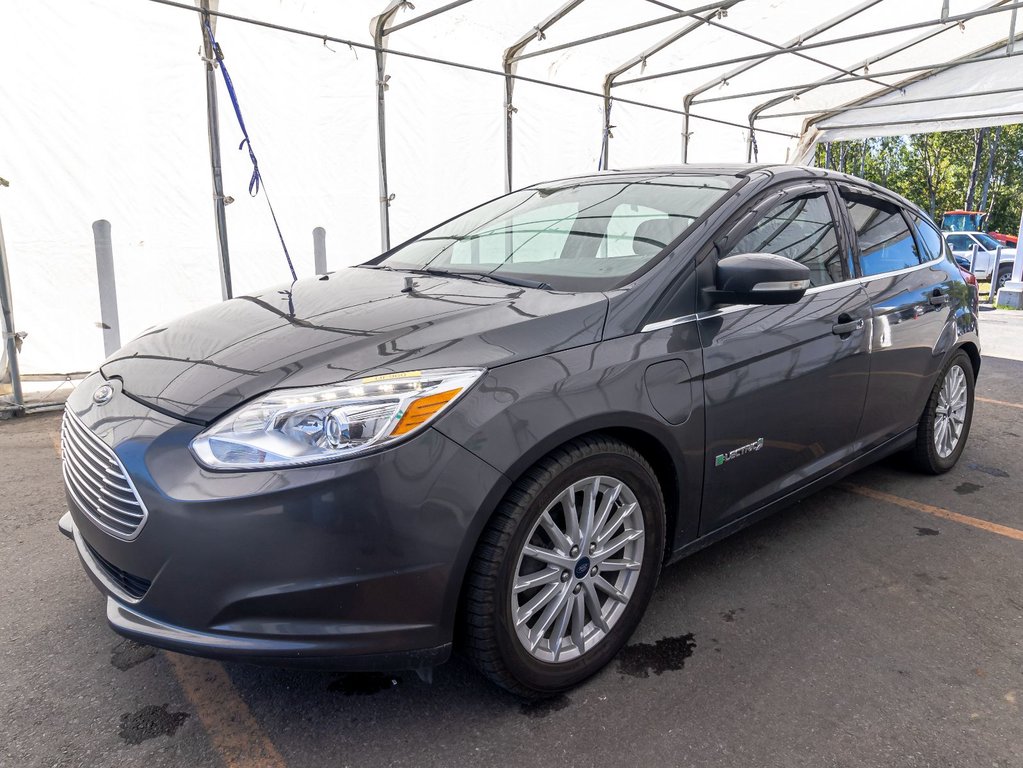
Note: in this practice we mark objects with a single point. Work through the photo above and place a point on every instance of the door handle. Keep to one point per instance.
(939, 297)
(846, 324)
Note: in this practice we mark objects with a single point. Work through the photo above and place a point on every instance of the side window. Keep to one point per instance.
(930, 240)
(886, 244)
(803, 230)
(959, 242)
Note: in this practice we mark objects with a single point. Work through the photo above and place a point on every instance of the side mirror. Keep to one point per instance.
(759, 278)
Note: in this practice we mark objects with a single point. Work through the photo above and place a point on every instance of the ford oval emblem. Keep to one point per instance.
(103, 394)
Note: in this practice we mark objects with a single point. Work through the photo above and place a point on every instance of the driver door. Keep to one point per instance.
(784, 385)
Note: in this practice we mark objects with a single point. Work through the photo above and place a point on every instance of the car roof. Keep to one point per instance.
(765, 173)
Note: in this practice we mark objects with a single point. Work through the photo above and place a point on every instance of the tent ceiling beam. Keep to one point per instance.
(901, 102)
(999, 8)
(694, 13)
(425, 16)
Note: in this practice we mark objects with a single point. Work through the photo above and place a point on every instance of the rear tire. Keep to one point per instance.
(1003, 277)
(945, 424)
(594, 577)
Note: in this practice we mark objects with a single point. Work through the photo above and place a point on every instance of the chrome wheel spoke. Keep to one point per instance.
(547, 556)
(616, 522)
(579, 622)
(542, 598)
(560, 631)
(606, 505)
(537, 579)
(590, 492)
(616, 544)
(610, 589)
(593, 606)
(561, 541)
(553, 608)
(567, 499)
(619, 565)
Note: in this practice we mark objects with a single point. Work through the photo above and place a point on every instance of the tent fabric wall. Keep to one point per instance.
(106, 118)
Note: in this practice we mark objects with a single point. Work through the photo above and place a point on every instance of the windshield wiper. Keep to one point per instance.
(479, 276)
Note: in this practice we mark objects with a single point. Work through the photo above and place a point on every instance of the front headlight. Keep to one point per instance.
(292, 427)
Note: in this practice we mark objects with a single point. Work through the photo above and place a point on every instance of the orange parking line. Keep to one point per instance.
(984, 525)
(998, 402)
(230, 725)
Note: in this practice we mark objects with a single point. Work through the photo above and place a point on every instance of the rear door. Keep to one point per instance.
(910, 291)
(784, 385)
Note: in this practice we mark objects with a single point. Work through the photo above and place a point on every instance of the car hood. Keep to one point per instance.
(351, 323)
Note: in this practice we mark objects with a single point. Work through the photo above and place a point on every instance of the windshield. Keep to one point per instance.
(987, 242)
(585, 235)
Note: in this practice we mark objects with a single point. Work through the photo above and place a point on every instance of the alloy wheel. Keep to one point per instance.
(950, 413)
(578, 569)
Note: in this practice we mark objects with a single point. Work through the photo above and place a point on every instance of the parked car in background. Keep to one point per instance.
(497, 433)
(985, 266)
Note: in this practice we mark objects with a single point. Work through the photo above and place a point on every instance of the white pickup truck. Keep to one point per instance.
(984, 266)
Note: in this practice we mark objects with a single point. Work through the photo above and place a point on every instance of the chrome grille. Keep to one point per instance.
(98, 482)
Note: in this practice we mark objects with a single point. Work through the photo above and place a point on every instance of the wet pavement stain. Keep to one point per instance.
(925, 531)
(666, 655)
(148, 723)
(965, 488)
(363, 683)
(545, 707)
(729, 615)
(127, 654)
(993, 471)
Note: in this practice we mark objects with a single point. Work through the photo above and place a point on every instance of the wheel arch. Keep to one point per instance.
(650, 445)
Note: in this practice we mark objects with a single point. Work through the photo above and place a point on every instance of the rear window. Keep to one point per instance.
(886, 244)
(930, 240)
(580, 235)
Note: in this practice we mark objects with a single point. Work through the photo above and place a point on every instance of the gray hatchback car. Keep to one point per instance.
(496, 434)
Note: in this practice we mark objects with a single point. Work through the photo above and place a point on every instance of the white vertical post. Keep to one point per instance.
(7, 325)
(107, 287)
(320, 250)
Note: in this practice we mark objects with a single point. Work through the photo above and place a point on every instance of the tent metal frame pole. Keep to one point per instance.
(379, 24)
(857, 103)
(508, 61)
(1014, 113)
(7, 324)
(679, 14)
(809, 34)
(901, 102)
(641, 58)
(425, 16)
(448, 63)
(825, 43)
(216, 169)
(806, 87)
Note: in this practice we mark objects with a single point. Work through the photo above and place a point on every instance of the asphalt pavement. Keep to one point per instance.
(878, 623)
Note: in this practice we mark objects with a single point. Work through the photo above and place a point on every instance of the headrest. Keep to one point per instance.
(652, 235)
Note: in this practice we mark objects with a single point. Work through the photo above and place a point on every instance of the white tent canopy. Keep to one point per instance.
(105, 117)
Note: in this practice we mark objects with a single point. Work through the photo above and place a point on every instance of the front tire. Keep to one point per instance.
(1000, 281)
(566, 568)
(945, 423)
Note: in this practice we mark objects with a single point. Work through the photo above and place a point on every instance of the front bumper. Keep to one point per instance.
(354, 565)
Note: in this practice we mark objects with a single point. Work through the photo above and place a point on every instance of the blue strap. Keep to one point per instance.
(257, 179)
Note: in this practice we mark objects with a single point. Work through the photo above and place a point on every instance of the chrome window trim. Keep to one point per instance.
(656, 326)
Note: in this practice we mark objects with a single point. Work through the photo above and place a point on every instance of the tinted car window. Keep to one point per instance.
(575, 235)
(886, 244)
(803, 230)
(930, 240)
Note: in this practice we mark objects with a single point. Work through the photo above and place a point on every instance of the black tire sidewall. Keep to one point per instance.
(547, 677)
